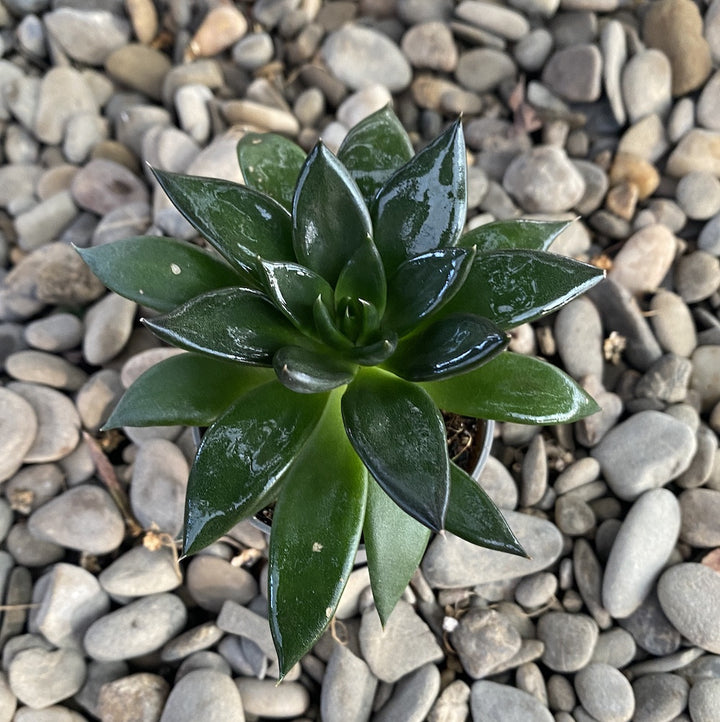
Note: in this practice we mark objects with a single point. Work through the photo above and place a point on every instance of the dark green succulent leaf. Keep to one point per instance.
(240, 222)
(295, 289)
(423, 284)
(449, 346)
(513, 387)
(363, 277)
(327, 329)
(160, 273)
(188, 389)
(242, 458)
(359, 320)
(374, 149)
(472, 515)
(308, 372)
(271, 164)
(514, 234)
(236, 324)
(398, 432)
(519, 286)
(375, 352)
(316, 530)
(330, 218)
(395, 544)
(422, 207)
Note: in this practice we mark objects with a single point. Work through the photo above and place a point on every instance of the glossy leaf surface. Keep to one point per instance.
(513, 387)
(316, 530)
(374, 353)
(271, 164)
(295, 289)
(243, 455)
(188, 389)
(241, 223)
(327, 329)
(518, 286)
(330, 219)
(423, 284)
(399, 434)
(473, 515)
(451, 345)
(308, 372)
(422, 207)
(160, 273)
(515, 234)
(363, 277)
(374, 149)
(395, 544)
(236, 324)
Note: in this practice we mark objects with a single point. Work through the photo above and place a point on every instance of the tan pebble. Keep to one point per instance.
(143, 18)
(222, 26)
(622, 200)
(116, 151)
(636, 170)
(273, 119)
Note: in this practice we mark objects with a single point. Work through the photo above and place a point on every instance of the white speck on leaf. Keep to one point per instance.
(175, 269)
(328, 612)
(317, 547)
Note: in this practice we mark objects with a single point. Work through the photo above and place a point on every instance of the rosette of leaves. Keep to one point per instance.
(338, 309)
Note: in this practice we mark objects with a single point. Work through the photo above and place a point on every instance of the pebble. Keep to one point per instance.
(204, 694)
(709, 238)
(359, 105)
(491, 700)
(705, 380)
(108, 325)
(641, 548)
(659, 697)
(647, 84)
(579, 336)
(69, 600)
(698, 194)
(615, 647)
(139, 67)
(203, 660)
(192, 104)
(348, 687)
(193, 640)
(588, 577)
(499, 484)
(575, 73)
(672, 323)
(666, 380)
(211, 581)
(18, 429)
(265, 698)
(689, 596)
(33, 485)
(246, 623)
(58, 425)
(44, 222)
(253, 51)
(452, 704)
(484, 640)
(412, 697)
(482, 69)
(650, 628)
(141, 627)
(157, 492)
(499, 20)
(452, 562)
(699, 509)
(697, 150)
(97, 398)
(569, 640)
(360, 56)
(605, 693)
(707, 105)
(701, 467)
(63, 92)
(430, 46)
(405, 644)
(45, 368)
(676, 28)
(30, 551)
(644, 452)
(84, 518)
(704, 699)
(139, 696)
(40, 678)
(697, 276)
(140, 572)
(103, 185)
(534, 472)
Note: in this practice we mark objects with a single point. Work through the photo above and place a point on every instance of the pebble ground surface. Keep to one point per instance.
(606, 110)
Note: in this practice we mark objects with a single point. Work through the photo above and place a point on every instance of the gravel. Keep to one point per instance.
(589, 108)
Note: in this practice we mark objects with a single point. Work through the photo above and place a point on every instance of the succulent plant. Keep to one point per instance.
(339, 307)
